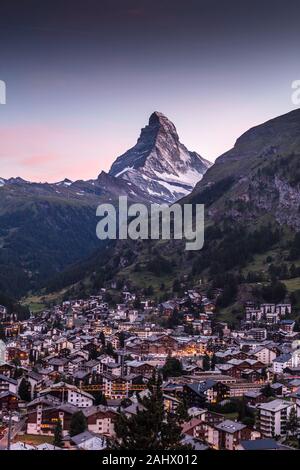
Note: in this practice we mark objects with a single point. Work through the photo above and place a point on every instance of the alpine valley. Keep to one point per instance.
(44, 228)
(251, 196)
(252, 202)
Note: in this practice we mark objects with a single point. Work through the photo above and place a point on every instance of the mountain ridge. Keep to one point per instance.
(46, 227)
(252, 202)
(159, 163)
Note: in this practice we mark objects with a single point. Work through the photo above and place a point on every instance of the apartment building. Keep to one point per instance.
(273, 416)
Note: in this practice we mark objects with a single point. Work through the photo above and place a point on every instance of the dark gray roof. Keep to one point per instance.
(260, 444)
(7, 394)
(283, 358)
(276, 385)
(8, 379)
(35, 375)
(230, 426)
(85, 436)
(201, 387)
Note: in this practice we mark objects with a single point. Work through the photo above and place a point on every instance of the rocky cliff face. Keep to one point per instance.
(159, 164)
(254, 187)
(259, 177)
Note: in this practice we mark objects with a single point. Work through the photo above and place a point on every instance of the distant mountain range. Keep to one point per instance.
(159, 168)
(45, 227)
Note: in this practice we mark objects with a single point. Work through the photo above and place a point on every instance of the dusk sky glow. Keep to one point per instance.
(84, 76)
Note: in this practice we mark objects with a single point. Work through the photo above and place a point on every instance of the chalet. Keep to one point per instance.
(112, 368)
(258, 334)
(8, 401)
(140, 368)
(17, 353)
(89, 441)
(229, 434)
(282, 362)
(239, 389)
(204, 427)
(36, 382)
(193, 427)
(265, 354)
(132, 409)
(279, 389)
(57, 364)
(168, 307)
(287, 326)
(7, 369)
(101, 420)
(82, 378)
(118, 387)
(43, 415)
(170, 403)
(227, 355)
(93, 366)
(67, 393)
(8, 384)
(198, 393)
(235, 367)
(253, 397)
(251, 375)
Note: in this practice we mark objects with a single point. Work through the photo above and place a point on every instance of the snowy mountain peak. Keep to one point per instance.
(65, 182)
(159, 163)
(18, 180)
(162, 122)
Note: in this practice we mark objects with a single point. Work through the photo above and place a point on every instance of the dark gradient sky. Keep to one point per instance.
(83, 76)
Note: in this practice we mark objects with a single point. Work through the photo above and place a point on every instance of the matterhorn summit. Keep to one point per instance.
(159, 164)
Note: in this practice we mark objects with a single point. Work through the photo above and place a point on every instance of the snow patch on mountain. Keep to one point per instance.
(159, 164)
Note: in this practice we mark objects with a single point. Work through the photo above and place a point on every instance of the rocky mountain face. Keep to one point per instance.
(46, 228)
(259, 177)
(252, 201)
(159, 164)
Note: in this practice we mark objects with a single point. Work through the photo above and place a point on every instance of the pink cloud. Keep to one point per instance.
(38, 160)
(48, 153)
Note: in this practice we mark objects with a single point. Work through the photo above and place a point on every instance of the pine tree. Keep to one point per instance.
(102, 338)
(78, 423)
(122, 338)
(172, 368)
(213, 362)
(241, 409)
(24, 390)
(292, 424)
(206, 362)
(109, 350)
(182, 411)
(267, 391)
(100, 398)
(17, 373)
(57, 440)
(2, 333)
(152, 428)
